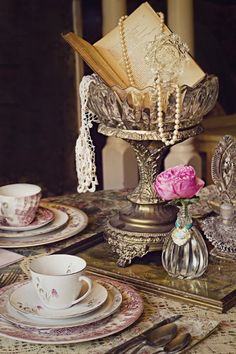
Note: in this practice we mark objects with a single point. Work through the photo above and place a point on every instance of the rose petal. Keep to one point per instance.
(178, 182)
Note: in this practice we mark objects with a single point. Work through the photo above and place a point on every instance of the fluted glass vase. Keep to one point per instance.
(184, 253)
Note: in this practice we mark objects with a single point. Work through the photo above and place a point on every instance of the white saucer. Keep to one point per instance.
(127, 314)
(25, 300)
(43, 217)
(111, 305)
(60, 218)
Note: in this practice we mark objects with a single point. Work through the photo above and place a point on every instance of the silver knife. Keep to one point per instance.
(131, 342)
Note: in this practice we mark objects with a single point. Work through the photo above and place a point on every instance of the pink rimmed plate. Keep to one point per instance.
(59, 220)
(130, 310)
(43, 217)
(78, 220)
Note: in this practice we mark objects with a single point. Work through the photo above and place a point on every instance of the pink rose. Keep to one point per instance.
(178, 182)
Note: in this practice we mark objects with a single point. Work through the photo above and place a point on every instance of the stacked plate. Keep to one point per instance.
(110, 308)
(53, 222)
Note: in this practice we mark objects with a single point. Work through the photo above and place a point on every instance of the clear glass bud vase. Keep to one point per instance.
(184, 253)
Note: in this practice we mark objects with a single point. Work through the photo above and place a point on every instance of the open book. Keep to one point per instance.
(105, 56)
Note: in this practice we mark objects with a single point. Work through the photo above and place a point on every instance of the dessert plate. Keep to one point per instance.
(112, 304)
(130, 310)
(43, 217)
(60, 218)
(25, 300)
(78, 220)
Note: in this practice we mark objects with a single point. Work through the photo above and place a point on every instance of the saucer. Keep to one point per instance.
(25, 300)
(77, 220)
(60, 219)
(128, 313)
(43, 217)
(111, 305)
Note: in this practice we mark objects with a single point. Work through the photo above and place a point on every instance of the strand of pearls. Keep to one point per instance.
(160, 115)
(162, 19)
(125, 54)
(157, 85)
(160, 122)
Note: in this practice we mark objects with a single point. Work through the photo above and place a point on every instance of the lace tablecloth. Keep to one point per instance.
(97, 206)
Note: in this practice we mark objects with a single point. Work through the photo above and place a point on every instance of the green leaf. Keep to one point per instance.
(185, 201)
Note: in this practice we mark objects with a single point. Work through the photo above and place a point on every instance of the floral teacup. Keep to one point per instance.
(58, 280)
(19, 203)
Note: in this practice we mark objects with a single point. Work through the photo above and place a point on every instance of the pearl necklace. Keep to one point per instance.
(125, 55)
(157, 85)
(174, 138)
(161, 15)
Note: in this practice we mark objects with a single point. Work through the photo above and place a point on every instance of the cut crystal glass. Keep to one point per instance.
(220, 230)
(133, 109)
(223, 168)
(221, 233)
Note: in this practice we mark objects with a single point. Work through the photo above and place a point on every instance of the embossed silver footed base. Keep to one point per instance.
(138, 230)
(130, 244)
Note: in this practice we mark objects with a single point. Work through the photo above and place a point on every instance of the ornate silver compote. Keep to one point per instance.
(220, 230)
(131, 114)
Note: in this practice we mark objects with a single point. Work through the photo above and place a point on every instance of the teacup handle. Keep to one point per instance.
(89, 282)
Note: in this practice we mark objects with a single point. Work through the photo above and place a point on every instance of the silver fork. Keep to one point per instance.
(10, 278)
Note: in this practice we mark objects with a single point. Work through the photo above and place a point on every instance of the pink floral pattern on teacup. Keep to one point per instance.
(54, 293)
(46, 294)
(19, 203)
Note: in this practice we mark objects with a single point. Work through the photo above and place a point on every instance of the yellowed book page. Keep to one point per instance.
(140, 28)
(93, 59)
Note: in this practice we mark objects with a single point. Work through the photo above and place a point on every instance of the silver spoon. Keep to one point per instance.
(158, 337)
(178, 343)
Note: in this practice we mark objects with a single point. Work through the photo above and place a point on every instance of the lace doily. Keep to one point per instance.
(85, 149)
(155, 310)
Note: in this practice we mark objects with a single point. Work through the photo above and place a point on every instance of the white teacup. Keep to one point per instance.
(19, 203)
(58, 280)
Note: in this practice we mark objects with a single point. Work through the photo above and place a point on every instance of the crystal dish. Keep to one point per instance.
(221, 236)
